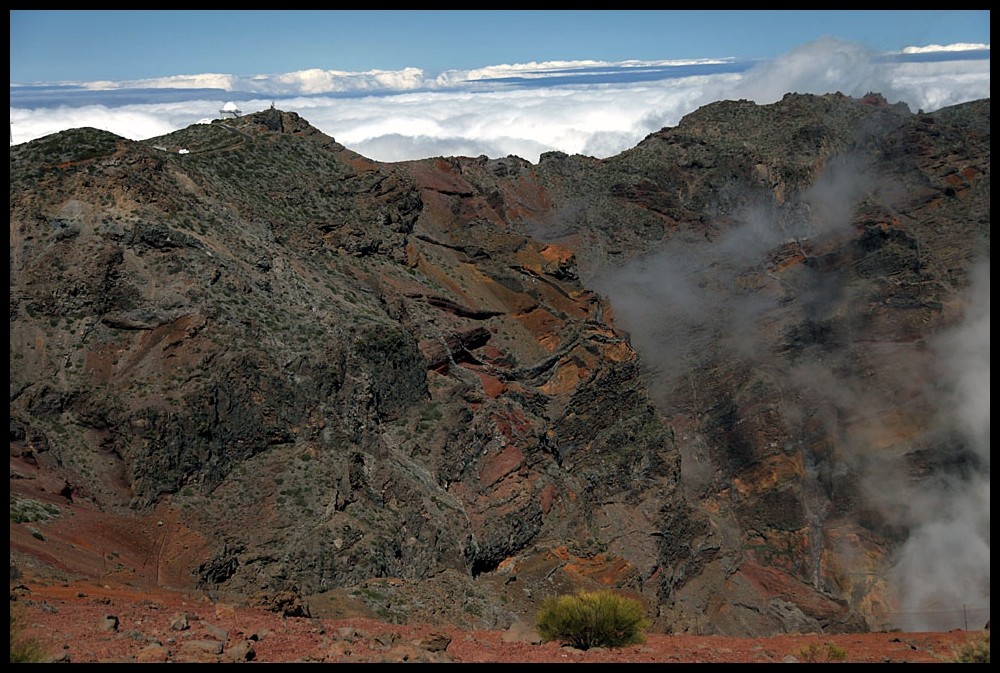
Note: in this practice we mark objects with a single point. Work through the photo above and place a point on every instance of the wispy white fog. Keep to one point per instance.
(945, 562)
(696, 297)
(585, 107)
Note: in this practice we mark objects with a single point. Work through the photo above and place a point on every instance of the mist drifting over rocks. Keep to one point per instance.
(703, 301)
(945, 561)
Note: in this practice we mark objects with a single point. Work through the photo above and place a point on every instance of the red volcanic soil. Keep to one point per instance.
(83, 622)
(92, 587)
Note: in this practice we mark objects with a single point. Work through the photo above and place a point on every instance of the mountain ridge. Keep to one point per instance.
(426, 387)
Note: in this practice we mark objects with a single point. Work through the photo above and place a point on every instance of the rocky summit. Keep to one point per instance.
(725, 372)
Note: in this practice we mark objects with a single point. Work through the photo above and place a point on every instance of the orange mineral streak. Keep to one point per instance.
(569, 374)
(772, 471)
(495, 467)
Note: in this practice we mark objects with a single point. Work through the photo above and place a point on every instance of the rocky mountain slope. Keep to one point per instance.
(272, 370)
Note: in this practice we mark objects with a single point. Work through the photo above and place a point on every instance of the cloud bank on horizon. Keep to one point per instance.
(596, 108)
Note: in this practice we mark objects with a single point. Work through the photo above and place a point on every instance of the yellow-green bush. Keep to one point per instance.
(814, 652)
(23, 649)
(976, 651)
(592, 619)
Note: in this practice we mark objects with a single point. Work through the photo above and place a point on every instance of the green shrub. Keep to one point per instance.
(23, 649)
(976, 651)
(815, 653)
(835, 652)
(592, 619)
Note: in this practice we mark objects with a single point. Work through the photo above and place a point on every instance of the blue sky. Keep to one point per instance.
(57, 45)
(406, 84)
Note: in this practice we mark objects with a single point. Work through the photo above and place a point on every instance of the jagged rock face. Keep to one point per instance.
(341, 372)
(336, 370)
(787, 273)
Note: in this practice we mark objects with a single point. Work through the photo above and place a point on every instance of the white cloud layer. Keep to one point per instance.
(400, 115)
(959, 46)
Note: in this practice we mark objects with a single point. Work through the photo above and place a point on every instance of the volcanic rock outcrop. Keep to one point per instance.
(447, 389)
